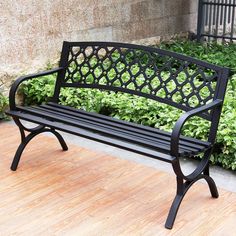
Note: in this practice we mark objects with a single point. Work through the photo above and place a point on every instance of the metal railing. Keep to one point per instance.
(216, 20)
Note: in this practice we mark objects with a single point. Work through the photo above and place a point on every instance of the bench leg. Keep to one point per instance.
(181, 191)
(182, 188)
(26, 139)
(60, 139)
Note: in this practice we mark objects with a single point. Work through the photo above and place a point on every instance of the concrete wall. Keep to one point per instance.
(32, 31)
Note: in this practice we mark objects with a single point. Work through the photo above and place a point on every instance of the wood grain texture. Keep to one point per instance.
(82, 192)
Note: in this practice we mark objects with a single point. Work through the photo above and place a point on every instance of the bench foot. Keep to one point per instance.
(20, 149)
(60, 139)
(26, 139)
(173, 211)
(212, 186)
(182, 188)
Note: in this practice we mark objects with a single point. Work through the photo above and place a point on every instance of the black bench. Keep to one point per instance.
(196, 87)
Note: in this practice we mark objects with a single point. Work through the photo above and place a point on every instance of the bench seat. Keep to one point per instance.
(141, 139)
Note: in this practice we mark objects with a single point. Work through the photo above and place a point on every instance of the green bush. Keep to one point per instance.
(152, 113)
(3, 106)
(218, 54)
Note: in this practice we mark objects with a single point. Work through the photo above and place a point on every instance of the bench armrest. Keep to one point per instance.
(16, 84)
(181, 121)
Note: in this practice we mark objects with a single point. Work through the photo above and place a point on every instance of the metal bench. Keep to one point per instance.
(196, 87)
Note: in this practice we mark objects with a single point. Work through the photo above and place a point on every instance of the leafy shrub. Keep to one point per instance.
(218, 54)
(152, 113)
(3, 106)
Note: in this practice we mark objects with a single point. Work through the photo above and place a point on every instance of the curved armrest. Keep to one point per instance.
(179, 124)
(16, 84)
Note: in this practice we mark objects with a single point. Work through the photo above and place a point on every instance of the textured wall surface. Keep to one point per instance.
(32, 31)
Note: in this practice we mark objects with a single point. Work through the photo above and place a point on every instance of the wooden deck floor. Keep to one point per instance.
(80, 192)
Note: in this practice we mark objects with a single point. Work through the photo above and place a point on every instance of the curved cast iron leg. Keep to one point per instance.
(211, 182)
(173, 211)
(27, 140)
(20, 149)
(60, 139)
(182, 189)
(212, 186)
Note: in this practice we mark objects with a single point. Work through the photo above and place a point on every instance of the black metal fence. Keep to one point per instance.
(216, 20)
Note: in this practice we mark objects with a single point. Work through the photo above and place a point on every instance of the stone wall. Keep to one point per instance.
(32, 31)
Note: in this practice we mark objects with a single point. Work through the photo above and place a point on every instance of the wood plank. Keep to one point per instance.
(82, 192)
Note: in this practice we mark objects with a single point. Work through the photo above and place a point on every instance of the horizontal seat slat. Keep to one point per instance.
(94, 136)
(115, 129)
(107, 118)
(188, 146)
(96, 128)
(157, 140)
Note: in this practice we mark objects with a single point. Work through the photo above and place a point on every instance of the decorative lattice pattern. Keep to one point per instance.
(148, 73)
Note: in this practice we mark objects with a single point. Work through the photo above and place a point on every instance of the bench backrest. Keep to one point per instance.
(168, 77)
